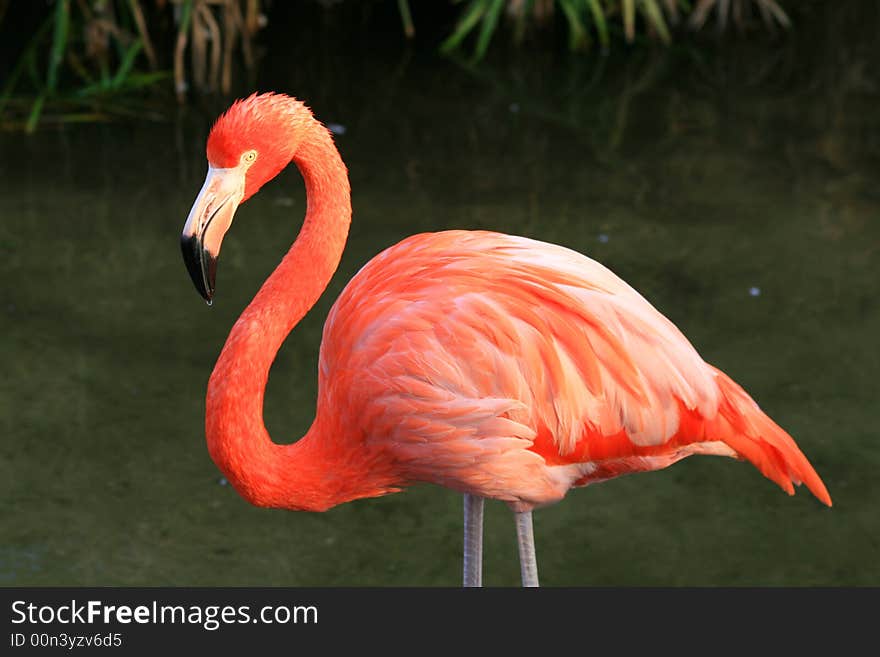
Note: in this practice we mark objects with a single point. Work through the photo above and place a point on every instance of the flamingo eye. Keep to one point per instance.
(249, 157)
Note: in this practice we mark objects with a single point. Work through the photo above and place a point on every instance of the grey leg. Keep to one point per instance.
(525, 536)
(473, 540)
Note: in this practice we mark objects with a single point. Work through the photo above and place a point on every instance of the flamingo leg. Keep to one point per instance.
(525, 535)
(473, 540)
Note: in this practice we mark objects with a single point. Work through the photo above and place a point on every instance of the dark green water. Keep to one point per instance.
(738, 191)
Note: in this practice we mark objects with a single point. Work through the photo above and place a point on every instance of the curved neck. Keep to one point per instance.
(266, 473)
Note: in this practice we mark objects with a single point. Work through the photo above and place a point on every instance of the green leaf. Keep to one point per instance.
(490, 21)
(34, 116)
(777, 12)
(185, 15)
(59, 42)
(577, 33)
(139, 80)
(468, 21)
(131, 82)
(599, 20)
(655, 17)
(126, 64)
(629, 19)
(406, 18)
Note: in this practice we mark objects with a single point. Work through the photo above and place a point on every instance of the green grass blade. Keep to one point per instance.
(140, 80)
(599, 19)
(406, 18)
(468, 21)
(777, 11)
(577, 33)
(130, 83)
(654, 16)
(76, 65)
(59, 42)
(629, 19)
(490, 22)
(126, 64)
(185, 14)
(34, 116)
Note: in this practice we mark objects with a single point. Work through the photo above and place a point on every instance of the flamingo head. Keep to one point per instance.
(248, 146)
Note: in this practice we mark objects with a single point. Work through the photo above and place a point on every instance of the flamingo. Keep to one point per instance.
(497, 366)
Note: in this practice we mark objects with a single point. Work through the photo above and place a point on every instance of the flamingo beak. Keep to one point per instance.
(207, 223)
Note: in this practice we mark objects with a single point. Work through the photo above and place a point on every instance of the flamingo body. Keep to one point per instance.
(495, 365)
(509, 368)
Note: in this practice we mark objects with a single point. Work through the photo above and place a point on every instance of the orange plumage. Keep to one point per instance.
(495, 365)
(515, 369)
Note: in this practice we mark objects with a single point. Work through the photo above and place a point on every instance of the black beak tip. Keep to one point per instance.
(201, 265)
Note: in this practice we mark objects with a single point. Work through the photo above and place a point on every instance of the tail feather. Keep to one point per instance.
(743, 426)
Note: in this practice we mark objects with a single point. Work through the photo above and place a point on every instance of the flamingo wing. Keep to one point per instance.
(516, 369)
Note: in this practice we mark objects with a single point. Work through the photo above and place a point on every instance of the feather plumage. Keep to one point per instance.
(511, 368)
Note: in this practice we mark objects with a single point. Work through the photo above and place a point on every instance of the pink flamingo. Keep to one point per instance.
(498, 366)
